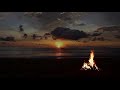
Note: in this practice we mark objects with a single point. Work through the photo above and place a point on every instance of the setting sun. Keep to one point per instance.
(59, 44)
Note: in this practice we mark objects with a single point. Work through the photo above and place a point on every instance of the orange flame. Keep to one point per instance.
(91, 64)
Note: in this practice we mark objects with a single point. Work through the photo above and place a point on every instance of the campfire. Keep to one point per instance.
(91, 63)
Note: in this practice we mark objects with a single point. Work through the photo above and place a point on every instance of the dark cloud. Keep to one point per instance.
(67, 33)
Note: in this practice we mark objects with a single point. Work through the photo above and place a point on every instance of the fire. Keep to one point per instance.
(59, 44)
(91, 64)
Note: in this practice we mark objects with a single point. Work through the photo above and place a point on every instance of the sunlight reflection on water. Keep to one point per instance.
(46, 52)
(58, 54)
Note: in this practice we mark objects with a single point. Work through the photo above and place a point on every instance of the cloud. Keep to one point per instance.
(67, 33)
(3, 15)
(47, 21)
(81, 24)
(33, 14)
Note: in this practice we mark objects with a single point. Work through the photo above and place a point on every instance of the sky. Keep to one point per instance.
(42, 22)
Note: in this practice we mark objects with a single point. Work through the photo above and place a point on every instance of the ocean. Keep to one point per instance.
(73, 52)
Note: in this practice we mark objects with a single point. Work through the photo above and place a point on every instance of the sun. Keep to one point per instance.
(59, 44)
